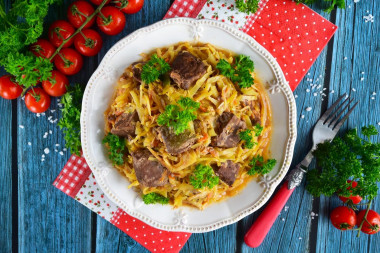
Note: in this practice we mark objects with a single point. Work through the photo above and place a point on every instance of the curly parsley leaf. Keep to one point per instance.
(203, 176)
(348, 158)
(116, 146)
(239, 72)
(261, 167)
(247, 6)
(153, 69)
(21, 26)
(70, 120)
(246, 136)
(179, 116)
(153, 198)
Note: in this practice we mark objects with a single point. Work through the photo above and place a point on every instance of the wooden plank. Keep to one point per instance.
(355, 56)
(6, 174)
(49, 220)
(292, 229)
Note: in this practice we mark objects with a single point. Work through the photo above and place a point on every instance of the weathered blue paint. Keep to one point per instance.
(49, 221)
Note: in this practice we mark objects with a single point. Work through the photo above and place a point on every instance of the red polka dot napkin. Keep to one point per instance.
(294, 34)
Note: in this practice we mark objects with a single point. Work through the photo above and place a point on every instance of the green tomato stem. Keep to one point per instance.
(364, 218)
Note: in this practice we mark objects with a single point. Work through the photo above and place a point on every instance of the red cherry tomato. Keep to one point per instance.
(352, 199)
(343, 218)
(68, 61)
(77, 13)
(372, 225)
(59, 31)
(98, 2)
(37, 100)
(130, 6)
(56, 85)
(110, 20)
(42, 48)
(8, 88)
(88, 42)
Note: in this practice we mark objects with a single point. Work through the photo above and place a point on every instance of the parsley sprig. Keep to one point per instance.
(350, 157)
(203, 176)
(331, 4)
(116, 146)
(179, 116)
(247, 136)
(261, 167)
(70, 120)
(153, 69)
(239, 72)
(153, 198)
(247, 6)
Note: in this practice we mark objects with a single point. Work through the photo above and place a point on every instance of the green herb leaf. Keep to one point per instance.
(261, 167)
(246, 136)
(203, 176)
(330, 4)
(347, 158)
(239, 72)
(70, 120)
(153, 69)
(247, 6)
(153, 198)
(116, 146)
(179, 116)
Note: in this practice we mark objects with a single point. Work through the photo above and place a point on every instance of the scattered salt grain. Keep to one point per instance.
(356, 1)
(362, 79)
(65, 149)
(52, 111)
(50, 132)
(345, 58)
(363, 73)
(38, 114)
(61, 153)
(300, 238)
(378, 123)
(373, 93)
(372, 98)
(283, 219)
(29, 143)
(50, 117)
(307, 90)
(286, 208)
(308, 109)
(302, 116)
(21, 126)
(319, 86)
(295, 96)
(353, 89)
(45, 135)
(332, 92)
(43, 156)
(57, 145)
(46, 151)
(55, 150)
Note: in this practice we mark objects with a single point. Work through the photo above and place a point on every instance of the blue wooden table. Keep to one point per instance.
(36, 217)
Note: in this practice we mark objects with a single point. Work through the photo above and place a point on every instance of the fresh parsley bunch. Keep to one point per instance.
(239, 72)
(179, 116)
(21, 26)
(116, 146)
(70, 120)
(247, 136)
(261, 167)
(153, 198)
(348, 158)
(153, 69)
(203, 176)
(247, 6)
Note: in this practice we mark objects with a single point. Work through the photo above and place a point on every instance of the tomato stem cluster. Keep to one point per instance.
(365, 218)
(97, 10)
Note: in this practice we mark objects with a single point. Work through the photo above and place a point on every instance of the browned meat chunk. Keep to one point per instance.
(227, 129)
(149, 173)
(176, 144)
(136, 70)
(227, 172)
(125, 124)
(255, 109)
(187, 69)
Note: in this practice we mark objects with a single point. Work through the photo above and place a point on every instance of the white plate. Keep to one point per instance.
(97, 98)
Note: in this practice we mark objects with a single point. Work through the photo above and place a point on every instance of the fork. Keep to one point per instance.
(325, 130)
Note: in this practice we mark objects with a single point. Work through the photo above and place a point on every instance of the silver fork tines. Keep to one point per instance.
(332, 116)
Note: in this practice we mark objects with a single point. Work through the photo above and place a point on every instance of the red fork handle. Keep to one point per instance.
(260, 228)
